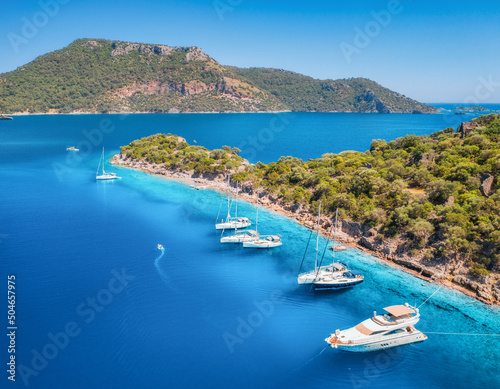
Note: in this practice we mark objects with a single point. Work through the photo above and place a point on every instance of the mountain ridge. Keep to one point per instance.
(100, 76)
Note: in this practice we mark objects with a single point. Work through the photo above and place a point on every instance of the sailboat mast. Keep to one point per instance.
(228, 195)
(103, 173)
(257, 216)
(334, 237)
(236, 200)
(317, 238)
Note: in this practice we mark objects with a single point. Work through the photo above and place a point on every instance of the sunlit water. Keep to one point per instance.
(202, 314)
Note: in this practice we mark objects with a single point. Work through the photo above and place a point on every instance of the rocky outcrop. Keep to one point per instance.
(156, 87)
(487, 185)
(91, 44)
(192, 53)
(465, 127)
(228, 88)
(124, 49)
(196, 54)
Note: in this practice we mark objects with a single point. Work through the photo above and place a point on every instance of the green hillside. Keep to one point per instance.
(302, 93)
(110, 76)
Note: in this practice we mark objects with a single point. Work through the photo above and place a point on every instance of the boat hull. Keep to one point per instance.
(382, 344)
(238, 238)
(262, 244)
(232, 225)
(108, 178)
(337, 284)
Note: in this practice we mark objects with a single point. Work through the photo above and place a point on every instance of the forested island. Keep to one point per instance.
(429, 203)
(103, 76)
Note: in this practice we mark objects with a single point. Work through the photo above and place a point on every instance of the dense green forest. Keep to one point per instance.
(302, 93)
(110, 76)
(428, 191)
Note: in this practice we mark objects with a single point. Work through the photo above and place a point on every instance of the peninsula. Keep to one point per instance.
(103, 76)
(428, 203)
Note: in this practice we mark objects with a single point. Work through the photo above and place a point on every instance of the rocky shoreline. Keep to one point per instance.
(352, 234)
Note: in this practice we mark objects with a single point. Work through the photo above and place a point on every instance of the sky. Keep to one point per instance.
(431, 51)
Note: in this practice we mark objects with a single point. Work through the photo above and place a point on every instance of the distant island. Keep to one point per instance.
(102, 76)
(476, 108)
(428, 203)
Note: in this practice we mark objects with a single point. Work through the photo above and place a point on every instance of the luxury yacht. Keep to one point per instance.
(395, 328)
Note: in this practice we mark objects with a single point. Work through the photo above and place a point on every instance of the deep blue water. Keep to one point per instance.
(201, 315)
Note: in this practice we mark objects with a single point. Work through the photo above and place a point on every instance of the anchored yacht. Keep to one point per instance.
(232, 222)
(240, 237)
(395, 328)
(264, 242)
(335, 276)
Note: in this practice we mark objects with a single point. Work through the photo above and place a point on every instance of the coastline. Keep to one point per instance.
(208, 112)
(347, 236)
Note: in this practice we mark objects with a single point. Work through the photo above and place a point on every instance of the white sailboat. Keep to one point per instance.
(262, 241)
(396, 328)
(309, 277)
(104, 175)
(331, 277)
(232, 222)
(240, 236)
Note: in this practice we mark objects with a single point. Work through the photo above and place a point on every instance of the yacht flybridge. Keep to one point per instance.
(395, 328)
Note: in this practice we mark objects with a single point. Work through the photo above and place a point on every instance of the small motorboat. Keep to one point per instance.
(160, 247)
(72, 148)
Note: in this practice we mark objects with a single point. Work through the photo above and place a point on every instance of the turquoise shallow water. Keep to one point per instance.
(98, 305)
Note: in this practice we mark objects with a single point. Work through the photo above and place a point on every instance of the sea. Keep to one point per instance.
(97, 305)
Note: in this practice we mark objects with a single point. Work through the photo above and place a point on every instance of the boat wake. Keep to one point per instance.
(162, 273)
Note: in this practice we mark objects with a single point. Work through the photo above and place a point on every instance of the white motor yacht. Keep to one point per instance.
(396, 328)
